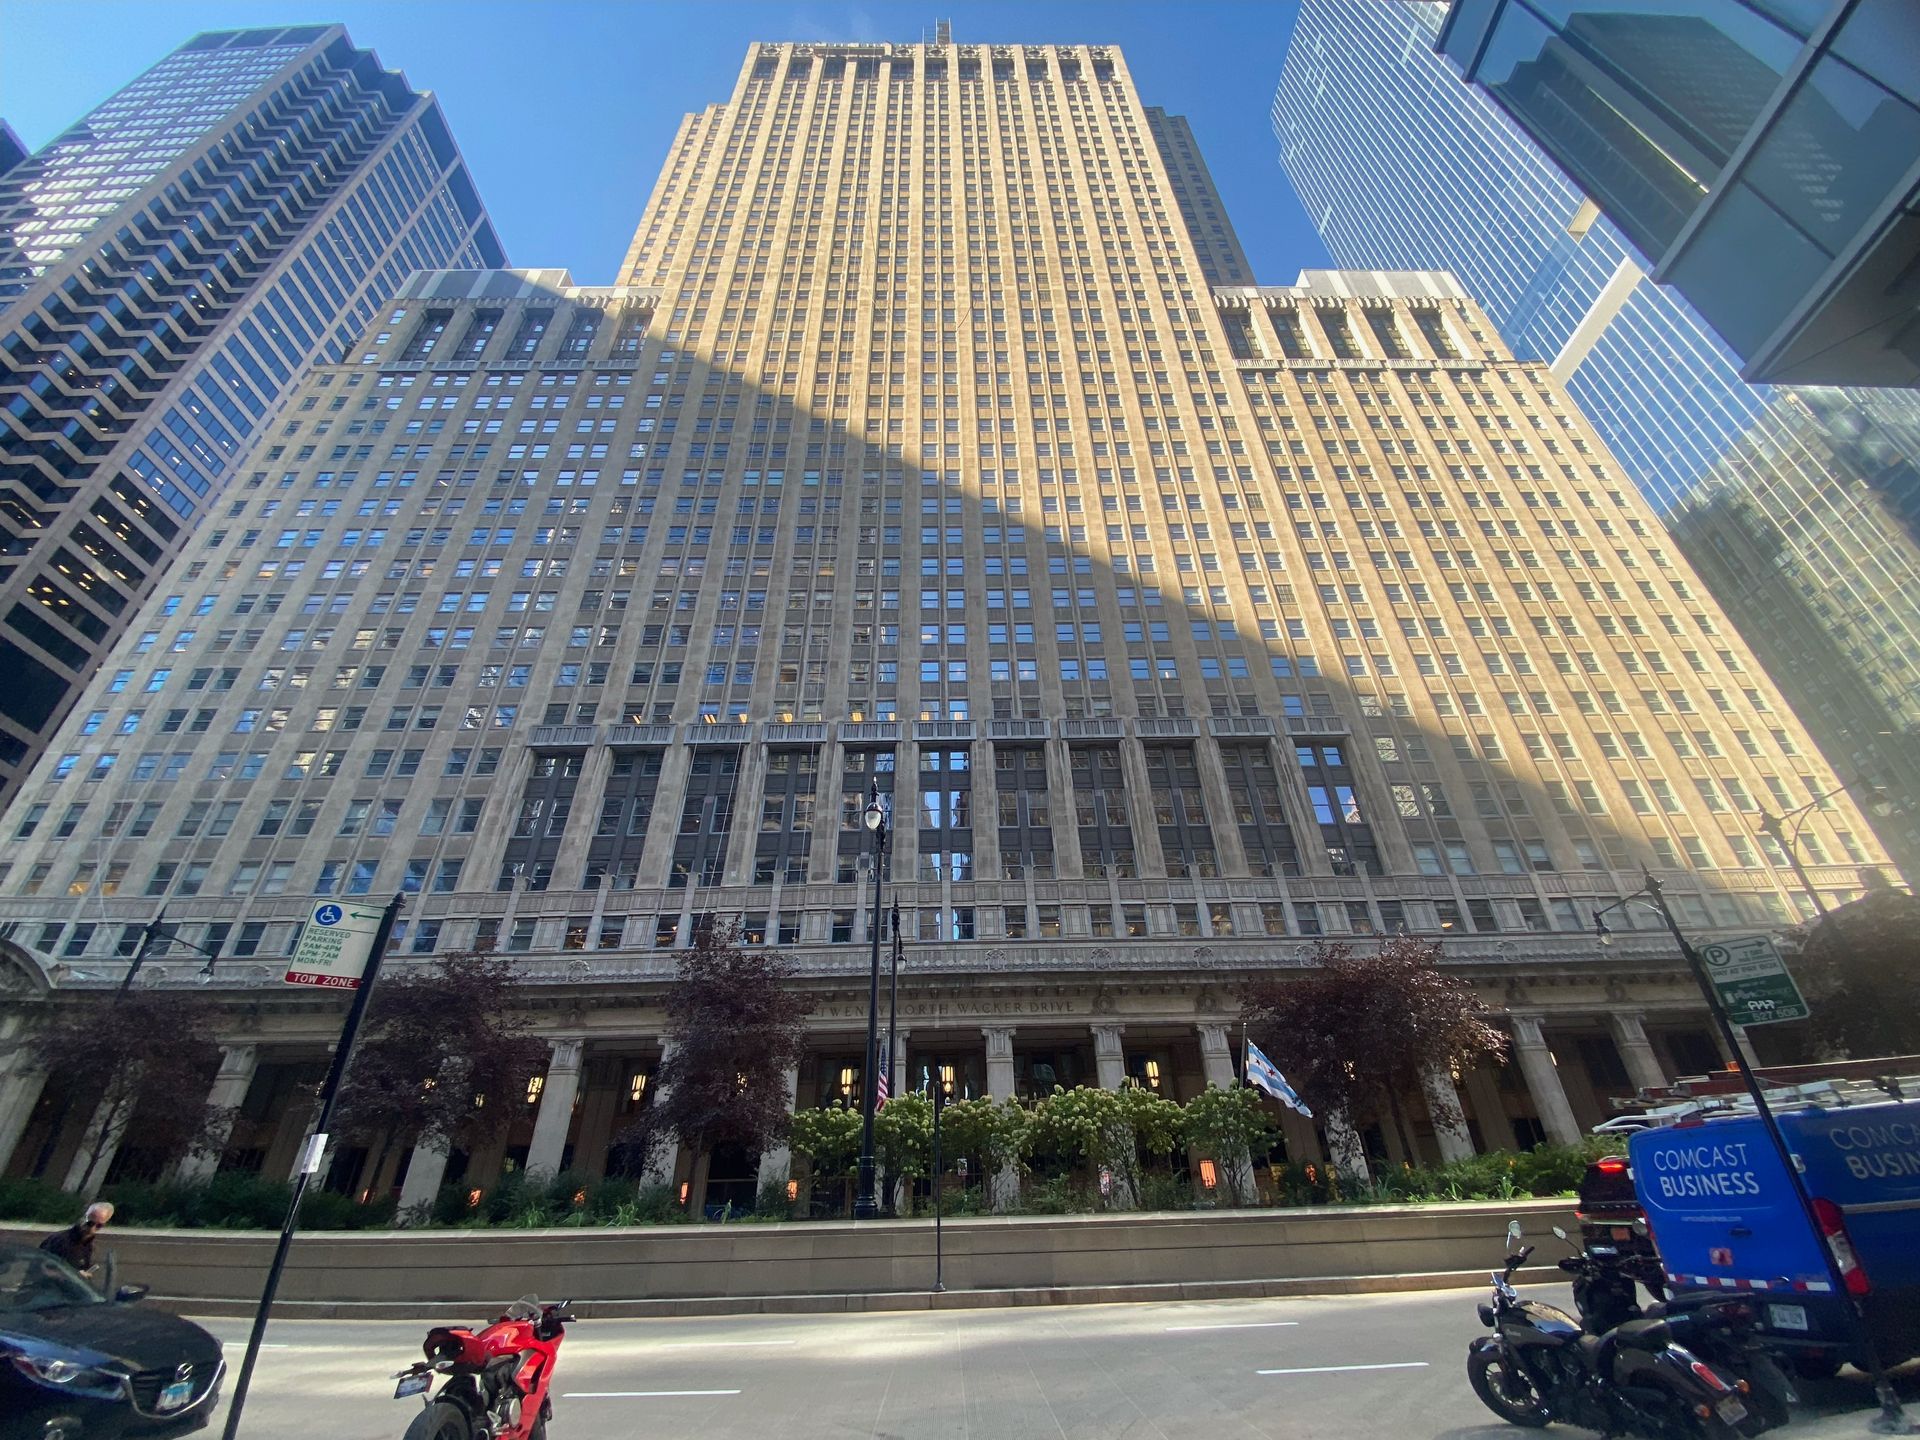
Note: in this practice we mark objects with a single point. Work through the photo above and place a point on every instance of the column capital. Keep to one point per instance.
(239, 1058)
(567, 1051)
(1214, 1039)
(1106, 1037)
(1629, 1026)
(999, 1040)
(1526, 1028)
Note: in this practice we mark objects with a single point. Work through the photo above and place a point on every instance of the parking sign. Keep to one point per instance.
(1752, 981)
(334, 946)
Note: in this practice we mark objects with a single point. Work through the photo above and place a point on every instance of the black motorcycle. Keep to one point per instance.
(1539, 1366)
(1720, 1329)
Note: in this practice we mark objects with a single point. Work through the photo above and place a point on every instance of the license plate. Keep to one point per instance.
(1731, 1410)
(175, 1395)
(412, 1385)
(1622, 1232)
(1787, 1317)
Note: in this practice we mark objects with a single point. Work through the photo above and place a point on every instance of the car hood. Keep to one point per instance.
(138, 1337)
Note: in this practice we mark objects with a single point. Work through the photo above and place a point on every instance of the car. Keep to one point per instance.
(75, 1365)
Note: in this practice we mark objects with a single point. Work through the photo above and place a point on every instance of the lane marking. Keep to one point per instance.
(241, 1344)
(1238, 1325)
(1330, 1369)
(637, 1394)
(722, 1344)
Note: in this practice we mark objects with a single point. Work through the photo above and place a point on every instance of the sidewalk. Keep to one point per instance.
(1842, 1408)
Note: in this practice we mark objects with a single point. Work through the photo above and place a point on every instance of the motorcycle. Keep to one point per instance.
(1539, 1366)
(1719, 1329)
(497, 1378)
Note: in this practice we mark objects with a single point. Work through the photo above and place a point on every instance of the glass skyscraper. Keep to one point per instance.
(1801, 506)
(168, 268)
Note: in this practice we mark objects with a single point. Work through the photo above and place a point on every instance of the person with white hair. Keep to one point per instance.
(75, 1243)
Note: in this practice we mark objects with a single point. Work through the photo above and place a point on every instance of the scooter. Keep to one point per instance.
(497, 1378)
(1538, 1367)
(1720, 1329)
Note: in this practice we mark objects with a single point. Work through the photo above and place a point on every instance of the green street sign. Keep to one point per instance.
(1752, 981)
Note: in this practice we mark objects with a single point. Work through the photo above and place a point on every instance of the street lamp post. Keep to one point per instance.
(1789, 839)
(1892, 1419)
(942, 1087)
(152, 939)
(864, 1206)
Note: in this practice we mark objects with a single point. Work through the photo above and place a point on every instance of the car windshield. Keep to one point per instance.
(35, 1280)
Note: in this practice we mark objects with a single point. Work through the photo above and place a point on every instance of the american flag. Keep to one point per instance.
(880, 1088)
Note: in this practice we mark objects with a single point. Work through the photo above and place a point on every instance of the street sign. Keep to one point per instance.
(334, 946)
(1753, 982)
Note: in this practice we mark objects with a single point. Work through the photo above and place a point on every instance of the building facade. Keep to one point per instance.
(1183, 627)
(169, 267)
(1762, 155)
(1800, 507)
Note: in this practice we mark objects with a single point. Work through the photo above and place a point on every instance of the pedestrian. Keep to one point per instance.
(75, 1243)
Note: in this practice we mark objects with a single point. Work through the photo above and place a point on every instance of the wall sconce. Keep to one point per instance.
(686, 1189)
(793, 1191)
(1209, 1177)
(473, 1199)
(534, 1086)
(846, 1082)
(1153, 1074)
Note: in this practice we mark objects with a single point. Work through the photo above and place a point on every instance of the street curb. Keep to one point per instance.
(876, 1302)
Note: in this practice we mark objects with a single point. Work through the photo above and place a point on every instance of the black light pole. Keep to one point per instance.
(310, 1163)
(864, 1206)
(942, 1086)
(893, 1016)
(149, 938)
(1789, 840)
(1892, 1419)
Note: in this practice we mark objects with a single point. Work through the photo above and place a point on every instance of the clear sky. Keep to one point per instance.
(564, 109)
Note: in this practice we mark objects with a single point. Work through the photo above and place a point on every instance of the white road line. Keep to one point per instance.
(1242, 1325)
(241, 1344)
(636, 1394)
(721, 1344)
(1329, 1369)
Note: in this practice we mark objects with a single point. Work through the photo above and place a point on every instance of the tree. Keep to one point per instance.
(1356, 1034)
(737, 1027)
(442, 1055)
(1860, 970)
(1228, 1125)
(118, 1050)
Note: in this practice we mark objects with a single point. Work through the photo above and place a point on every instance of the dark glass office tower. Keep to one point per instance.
(168, 268)
(1800, 506)
(1759, 153)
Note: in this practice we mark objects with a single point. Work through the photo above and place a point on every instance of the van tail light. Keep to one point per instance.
(1611, 1165)
(1833, 1228)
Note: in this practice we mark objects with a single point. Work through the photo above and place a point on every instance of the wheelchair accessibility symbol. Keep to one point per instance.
(328, 915)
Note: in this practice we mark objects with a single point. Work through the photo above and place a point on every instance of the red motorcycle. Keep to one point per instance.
(497, 1378)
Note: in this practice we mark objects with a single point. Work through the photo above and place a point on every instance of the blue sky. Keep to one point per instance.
(565, 109)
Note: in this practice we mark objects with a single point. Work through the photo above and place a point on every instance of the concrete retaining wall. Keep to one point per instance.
(838, 1266)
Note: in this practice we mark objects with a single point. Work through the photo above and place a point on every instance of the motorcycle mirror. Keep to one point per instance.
(1558, 1233)
(127, 1294)
(1513, 1232)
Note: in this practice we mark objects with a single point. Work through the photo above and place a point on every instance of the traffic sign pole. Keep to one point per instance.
(317, 1142)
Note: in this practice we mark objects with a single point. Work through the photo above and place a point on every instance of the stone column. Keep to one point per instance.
(604, 1085)
(1449, 1120)
(1216, 1062)
(1003, 1186)
(898, 1082)
(1109, 1056)
(555, 1119)
(1220, 820)
(1636, 1050)
(1216, 1056)
(664, 1161)
(776, 1161)
(999, 1060)
(1348, 1155)
(98, 1145)
(1067, 861)
(1150, 859)
(1740, 1038)
(426, 1169)
(1543, 1079)
(20, 1087)
(229, 1093)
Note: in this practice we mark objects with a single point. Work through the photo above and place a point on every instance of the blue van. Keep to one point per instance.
(1724, 1217)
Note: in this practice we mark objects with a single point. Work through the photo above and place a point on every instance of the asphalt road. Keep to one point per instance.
(1348, 1366)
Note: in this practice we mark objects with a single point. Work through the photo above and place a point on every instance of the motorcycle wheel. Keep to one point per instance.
(1506, 1390)
(440, 1422)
